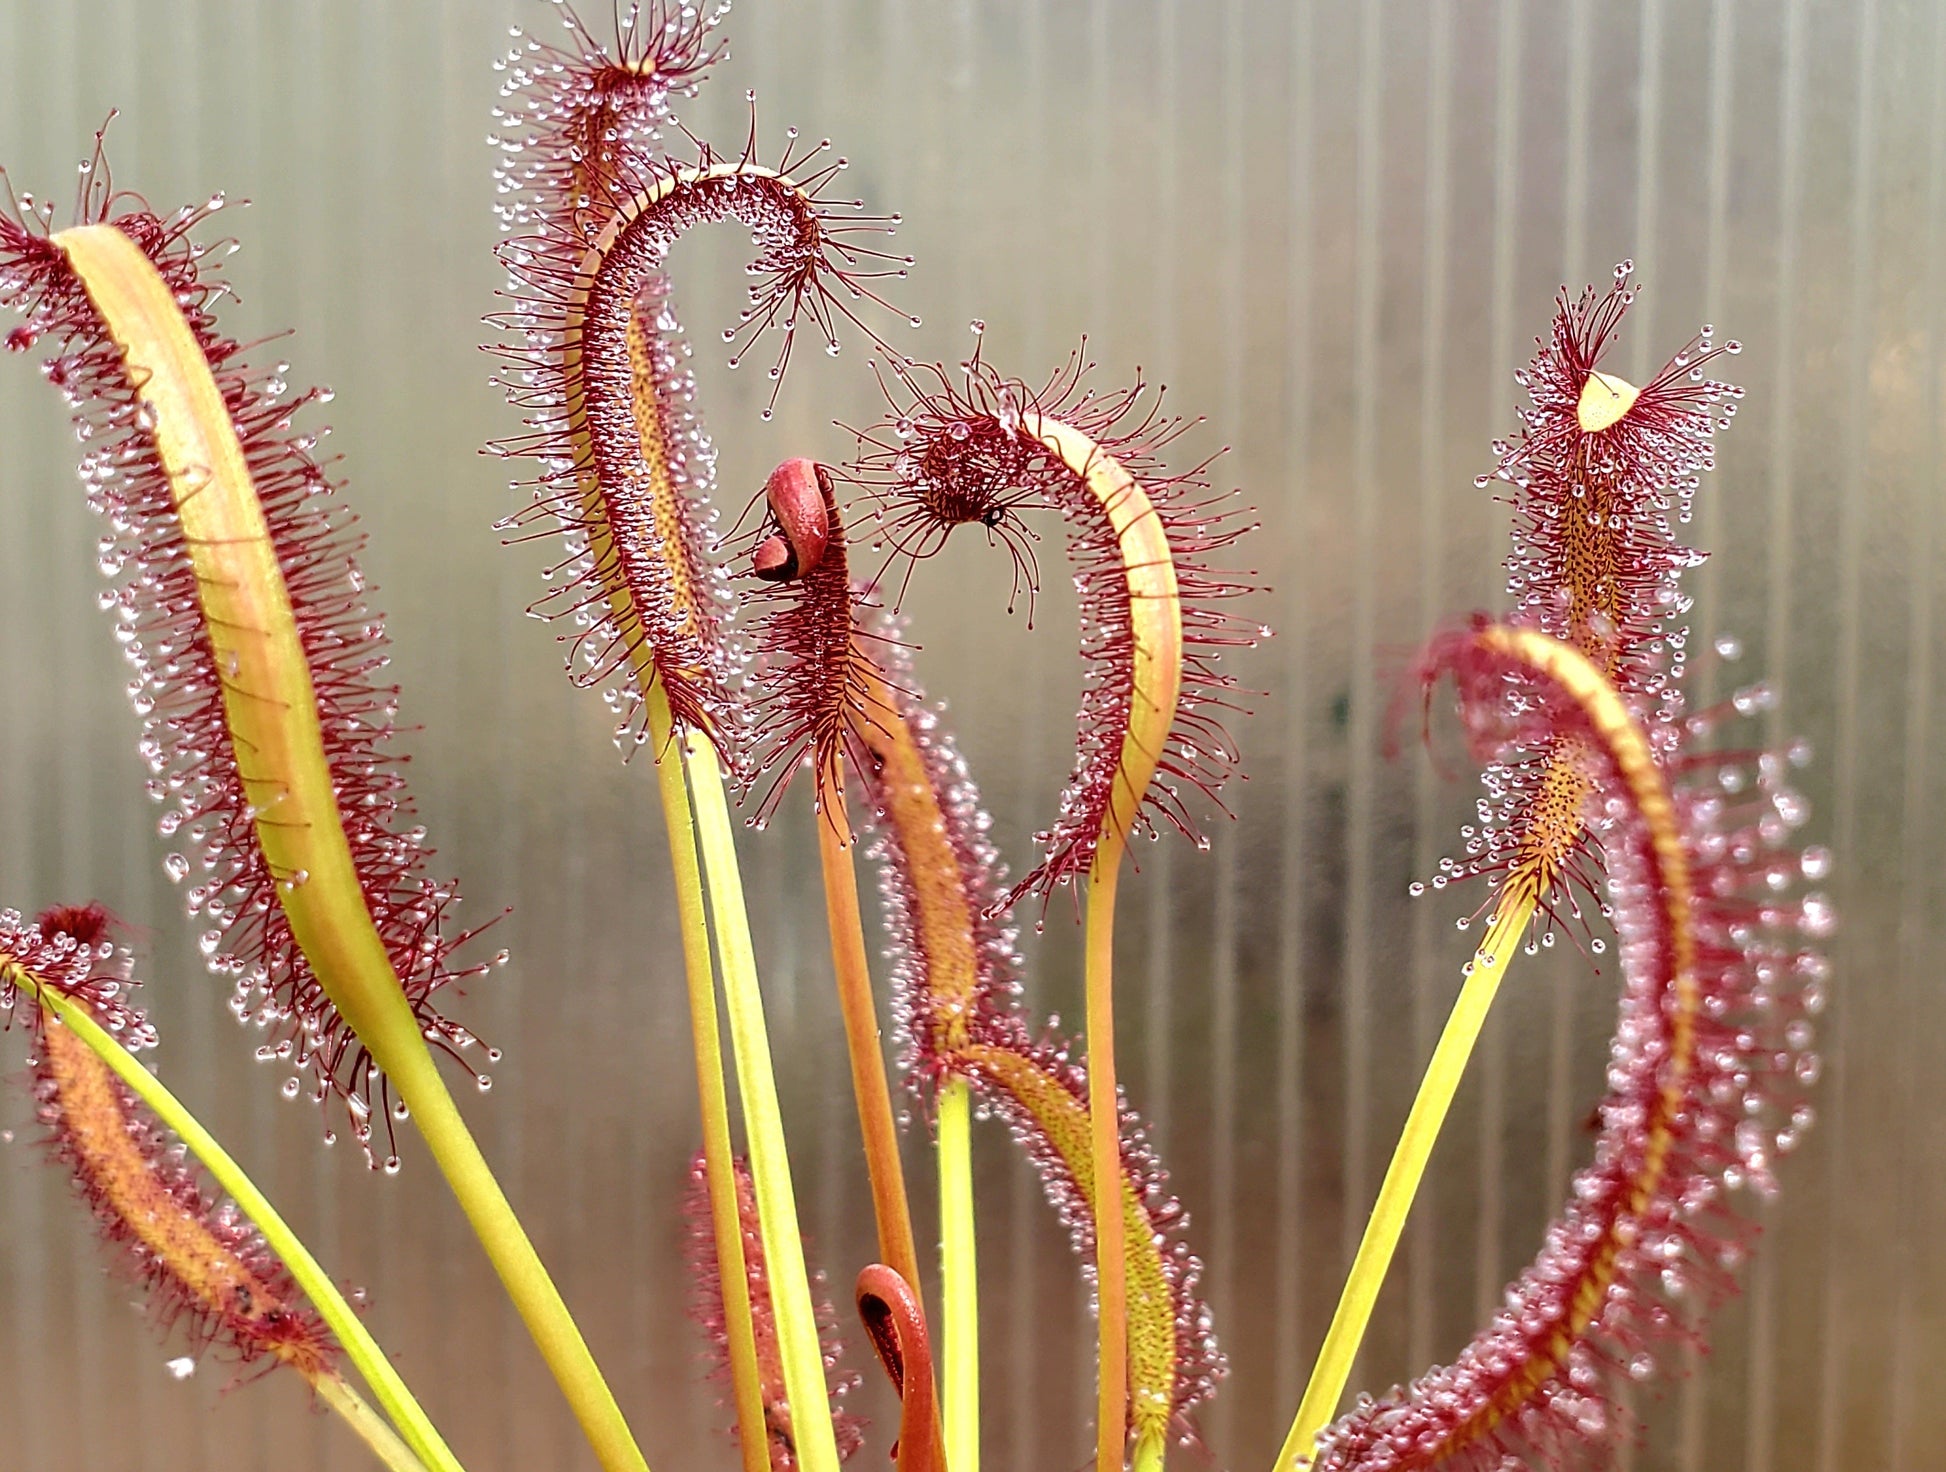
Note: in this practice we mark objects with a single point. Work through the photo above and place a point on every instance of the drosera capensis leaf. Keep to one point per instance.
(270, 705)
(828, 704)
(975, 448)
(579, 114)
(199, 1261)
(819, 688)
(1704, 1078)
(979, 451)
(325, 893)
(229, 1267)
(817, 683)
(596, 360)
(1601, 476)
(240, 603)
(1599, 472)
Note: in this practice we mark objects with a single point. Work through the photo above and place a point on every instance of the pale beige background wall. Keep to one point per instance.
(1333, 229)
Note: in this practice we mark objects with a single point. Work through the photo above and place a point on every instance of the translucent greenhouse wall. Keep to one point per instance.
(1333, 229)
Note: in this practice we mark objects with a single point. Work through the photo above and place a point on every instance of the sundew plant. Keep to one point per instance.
(757, 657)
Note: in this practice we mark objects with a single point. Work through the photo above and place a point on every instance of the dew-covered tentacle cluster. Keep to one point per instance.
(1600, 476)
(178, 689)
(978, 448)
(1705, 1076)
(201, 1261)
(960, 1015)
(67, 949)
(706, 1308)
(605, 93)
(597, 359)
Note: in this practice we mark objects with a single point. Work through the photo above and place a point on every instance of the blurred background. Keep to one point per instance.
(1331, 228)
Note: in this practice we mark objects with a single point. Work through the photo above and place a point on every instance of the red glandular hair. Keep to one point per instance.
(953, 451)
(596, 361)
(1595, 563)
(958, 1014)
(1705, 1083)
(706, 1308)
(200, 1259)
(177, 691)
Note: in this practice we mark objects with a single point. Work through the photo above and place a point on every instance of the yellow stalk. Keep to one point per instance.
(790, 1284)
(270, 708)
(752, 1436)
(342, 1319)
(1402, 1176)
(1105, 1144)
(870, 1087)
(959, 1281)
(367, 1424)
(868, 1081)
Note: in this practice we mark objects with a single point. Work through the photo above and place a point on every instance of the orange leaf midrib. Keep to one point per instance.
(96, 1125)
